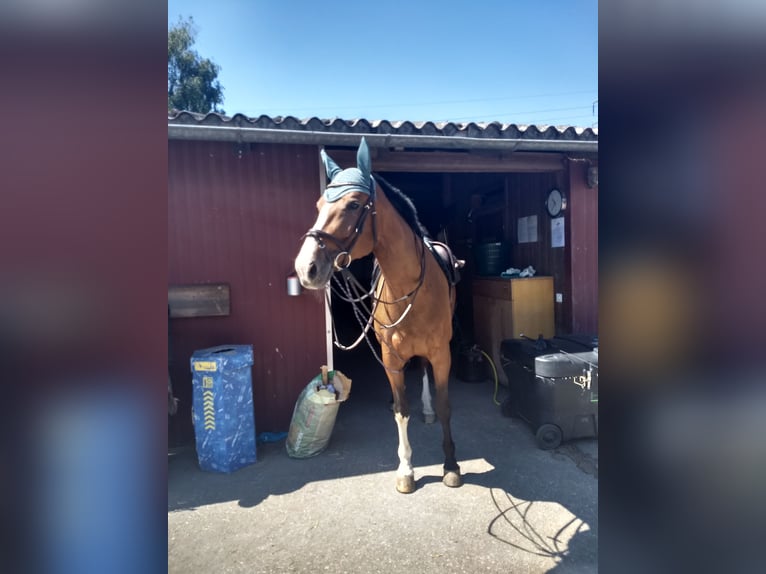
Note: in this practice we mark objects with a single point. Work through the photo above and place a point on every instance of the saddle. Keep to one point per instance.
(449, 264)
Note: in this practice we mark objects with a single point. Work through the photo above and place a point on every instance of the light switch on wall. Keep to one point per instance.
(559, 297)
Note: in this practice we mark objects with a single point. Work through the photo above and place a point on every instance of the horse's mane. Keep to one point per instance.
(403, 206)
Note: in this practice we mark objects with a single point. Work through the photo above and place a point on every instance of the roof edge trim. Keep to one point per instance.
(269, 135)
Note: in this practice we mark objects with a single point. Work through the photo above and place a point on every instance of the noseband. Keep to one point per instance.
(343, 259)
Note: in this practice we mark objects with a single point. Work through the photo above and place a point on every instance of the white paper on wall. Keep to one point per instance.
(527, 229)
(557, 232)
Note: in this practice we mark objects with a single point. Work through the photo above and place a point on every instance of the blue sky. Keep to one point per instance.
(510, 61)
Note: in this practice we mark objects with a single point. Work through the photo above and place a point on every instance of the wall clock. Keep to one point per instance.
(556, 203)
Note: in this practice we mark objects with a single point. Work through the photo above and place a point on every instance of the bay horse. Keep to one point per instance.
(413, 297)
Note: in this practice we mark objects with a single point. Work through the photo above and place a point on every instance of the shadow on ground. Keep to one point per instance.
(501, 464)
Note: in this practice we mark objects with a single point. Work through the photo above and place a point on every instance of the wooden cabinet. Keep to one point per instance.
(509, 308)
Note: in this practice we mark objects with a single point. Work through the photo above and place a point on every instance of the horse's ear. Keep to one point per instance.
(331, 168)
(363, 159)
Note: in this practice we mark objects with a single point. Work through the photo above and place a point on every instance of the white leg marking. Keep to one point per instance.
(405, 451)
(428, 409)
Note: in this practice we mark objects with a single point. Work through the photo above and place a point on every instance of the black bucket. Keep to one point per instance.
(491, 258)
(471, 366)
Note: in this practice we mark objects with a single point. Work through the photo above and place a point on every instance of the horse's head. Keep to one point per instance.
(342, 231)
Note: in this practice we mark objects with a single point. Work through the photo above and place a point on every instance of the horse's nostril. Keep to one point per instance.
(312, 271)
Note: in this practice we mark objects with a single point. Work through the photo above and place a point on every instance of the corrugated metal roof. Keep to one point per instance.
(491, 132)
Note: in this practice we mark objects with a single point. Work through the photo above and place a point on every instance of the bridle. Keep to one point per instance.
(352, 292)
(343, 259)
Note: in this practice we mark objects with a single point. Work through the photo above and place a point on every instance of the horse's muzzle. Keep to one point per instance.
(313, 266)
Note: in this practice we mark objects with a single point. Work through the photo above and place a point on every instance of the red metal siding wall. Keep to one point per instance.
(584, 242)
(237, 218)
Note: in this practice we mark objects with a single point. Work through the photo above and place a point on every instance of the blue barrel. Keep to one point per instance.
(224, 423)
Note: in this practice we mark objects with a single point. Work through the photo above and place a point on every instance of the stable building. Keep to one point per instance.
(242, 191)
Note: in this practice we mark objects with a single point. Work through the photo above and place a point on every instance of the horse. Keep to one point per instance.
(413, 292)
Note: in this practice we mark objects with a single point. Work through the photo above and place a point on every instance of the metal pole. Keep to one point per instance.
(328, 329)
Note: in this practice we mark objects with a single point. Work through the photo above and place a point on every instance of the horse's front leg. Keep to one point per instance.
(405, 475)
(440, 363)
(428, 410)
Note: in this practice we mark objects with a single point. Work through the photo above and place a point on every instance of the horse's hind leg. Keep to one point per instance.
(405, 475)
(428, 411)
(441, 366)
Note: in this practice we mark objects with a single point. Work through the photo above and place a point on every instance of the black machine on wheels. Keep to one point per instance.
(553, 385)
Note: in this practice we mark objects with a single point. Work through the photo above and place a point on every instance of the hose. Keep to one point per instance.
(494, 372)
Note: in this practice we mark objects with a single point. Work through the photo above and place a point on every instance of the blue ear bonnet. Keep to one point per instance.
(345, 181)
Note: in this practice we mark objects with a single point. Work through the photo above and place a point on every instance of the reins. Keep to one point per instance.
(353, 292)
(412, 294)
(350, 290)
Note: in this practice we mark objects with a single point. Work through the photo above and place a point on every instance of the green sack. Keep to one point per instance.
(314, 414)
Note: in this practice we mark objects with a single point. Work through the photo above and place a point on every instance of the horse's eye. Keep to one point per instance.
(353, 206)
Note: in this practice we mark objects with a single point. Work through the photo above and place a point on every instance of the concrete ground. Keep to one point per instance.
(520, 509)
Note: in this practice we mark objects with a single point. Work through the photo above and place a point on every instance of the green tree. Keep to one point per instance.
(192, 80)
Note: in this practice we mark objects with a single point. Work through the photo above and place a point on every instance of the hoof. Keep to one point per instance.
(405, 484)
(430, 419)
(452, 479)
